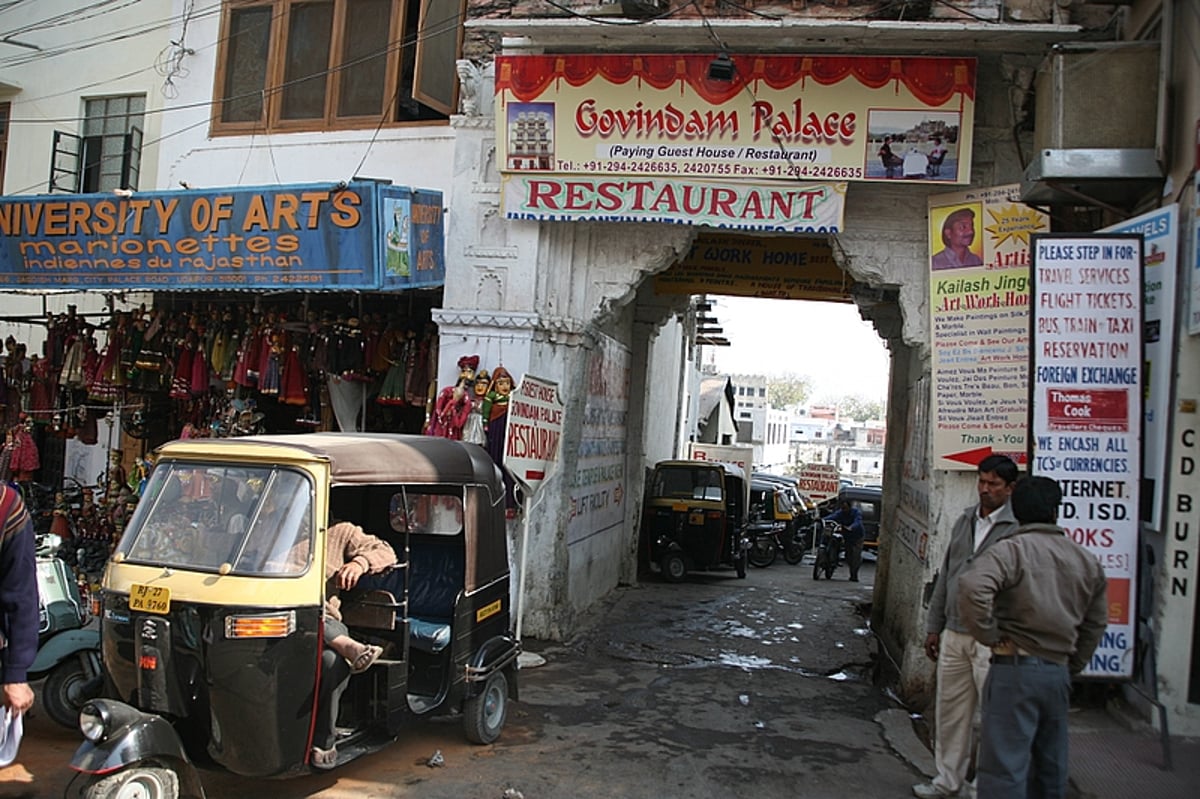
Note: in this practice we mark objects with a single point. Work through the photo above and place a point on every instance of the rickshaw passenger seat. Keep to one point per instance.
(435, 573)
(435, 580)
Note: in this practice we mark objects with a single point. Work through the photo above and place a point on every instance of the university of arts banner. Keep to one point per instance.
(1085, 423)
(979, 320)
(778, 117)
(358, 236)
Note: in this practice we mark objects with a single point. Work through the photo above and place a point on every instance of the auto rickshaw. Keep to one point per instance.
(212, 607)
(694, 517)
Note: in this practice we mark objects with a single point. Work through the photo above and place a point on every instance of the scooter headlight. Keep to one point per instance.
(92, 721)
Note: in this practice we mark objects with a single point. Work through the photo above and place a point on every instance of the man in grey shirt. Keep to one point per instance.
(1040, 601)
(962, 663)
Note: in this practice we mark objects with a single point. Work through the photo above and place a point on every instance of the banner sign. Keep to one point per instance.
(979, 318)
(778, 117)
(534, 429)
(310, 236)
(805, 208)
(1160, 236)
(1086, 410)
(1193, 326)
(771, 267)
(820, 481)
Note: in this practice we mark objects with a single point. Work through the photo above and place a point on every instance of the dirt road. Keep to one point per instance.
(716, 687)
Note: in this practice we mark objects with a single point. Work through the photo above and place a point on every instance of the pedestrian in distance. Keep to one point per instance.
(18, 604)
(1040, 601)
(962, 663)
(850, 518)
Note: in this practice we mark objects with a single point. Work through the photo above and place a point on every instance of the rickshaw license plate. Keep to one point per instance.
(696, 517)
(150, 598)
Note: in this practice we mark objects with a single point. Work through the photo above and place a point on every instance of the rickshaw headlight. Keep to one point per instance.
(92, 722)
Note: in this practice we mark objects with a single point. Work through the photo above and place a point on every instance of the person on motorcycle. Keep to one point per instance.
(850, 519)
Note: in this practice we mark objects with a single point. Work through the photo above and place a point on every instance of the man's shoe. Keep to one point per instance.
(927, 790)
(854, 579)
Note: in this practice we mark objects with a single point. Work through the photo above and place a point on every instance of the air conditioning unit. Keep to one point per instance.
(1082, 148)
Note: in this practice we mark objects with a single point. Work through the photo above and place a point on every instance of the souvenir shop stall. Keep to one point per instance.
(288, 309)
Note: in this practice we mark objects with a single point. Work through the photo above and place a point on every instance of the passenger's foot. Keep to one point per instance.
(365, 659)
(323, 758)
(927, 790)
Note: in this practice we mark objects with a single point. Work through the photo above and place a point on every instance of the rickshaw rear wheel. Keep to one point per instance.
(673, 566)
(739, 563)
(484, 714)
(140, 782)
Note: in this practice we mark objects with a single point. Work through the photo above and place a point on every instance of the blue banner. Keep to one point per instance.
(365, 236)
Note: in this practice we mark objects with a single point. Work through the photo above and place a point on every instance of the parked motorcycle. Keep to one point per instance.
(68, 656)
(828, 552)
(797, 546)
(765, 542)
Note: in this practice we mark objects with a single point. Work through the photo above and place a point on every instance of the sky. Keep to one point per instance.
(825, 341)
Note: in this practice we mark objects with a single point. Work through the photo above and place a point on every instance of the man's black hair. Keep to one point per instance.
(1002, 466)
(1036, 500)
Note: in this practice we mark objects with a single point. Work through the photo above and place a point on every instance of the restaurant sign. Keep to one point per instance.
(780, 117)
(361, 236)
(797, 208)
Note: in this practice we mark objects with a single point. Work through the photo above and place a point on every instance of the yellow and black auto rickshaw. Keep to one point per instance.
(694, 518)
(212, 607)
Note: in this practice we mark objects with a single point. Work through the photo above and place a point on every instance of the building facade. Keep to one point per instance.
(582, 299)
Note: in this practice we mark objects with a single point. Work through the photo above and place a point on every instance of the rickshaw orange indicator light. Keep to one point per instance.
(148, 662)
(273, 625)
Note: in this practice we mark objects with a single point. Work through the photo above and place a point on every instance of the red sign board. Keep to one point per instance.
(1095, 410)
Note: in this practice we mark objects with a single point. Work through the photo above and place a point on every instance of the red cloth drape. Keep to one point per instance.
(931, 80)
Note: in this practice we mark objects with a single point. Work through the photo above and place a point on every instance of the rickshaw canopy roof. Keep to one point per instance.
(360, 458)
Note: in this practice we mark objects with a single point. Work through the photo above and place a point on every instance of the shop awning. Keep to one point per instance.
(361, 236)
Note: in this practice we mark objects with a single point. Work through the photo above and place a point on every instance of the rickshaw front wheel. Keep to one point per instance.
(673, 566)
(484, 714)
(139, 782)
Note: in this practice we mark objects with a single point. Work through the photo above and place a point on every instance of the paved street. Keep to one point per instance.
(716, 687)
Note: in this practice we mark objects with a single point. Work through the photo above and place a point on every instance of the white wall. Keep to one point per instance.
(79, 59)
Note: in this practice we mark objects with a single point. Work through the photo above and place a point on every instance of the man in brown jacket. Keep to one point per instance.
(349, 554)
(1039, 600)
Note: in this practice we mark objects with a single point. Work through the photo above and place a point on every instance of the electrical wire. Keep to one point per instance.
(431, 30)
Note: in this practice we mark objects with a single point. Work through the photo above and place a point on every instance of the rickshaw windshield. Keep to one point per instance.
(255, 519)
(685, 482)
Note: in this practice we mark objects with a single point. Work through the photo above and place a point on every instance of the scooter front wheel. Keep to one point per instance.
(65, 691)
(140, 782)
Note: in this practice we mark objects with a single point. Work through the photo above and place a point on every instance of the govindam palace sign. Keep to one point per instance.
(357, 236)
(780, 117)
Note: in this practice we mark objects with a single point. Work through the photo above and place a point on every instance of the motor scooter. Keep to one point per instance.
(68, 656)
(827, 555)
